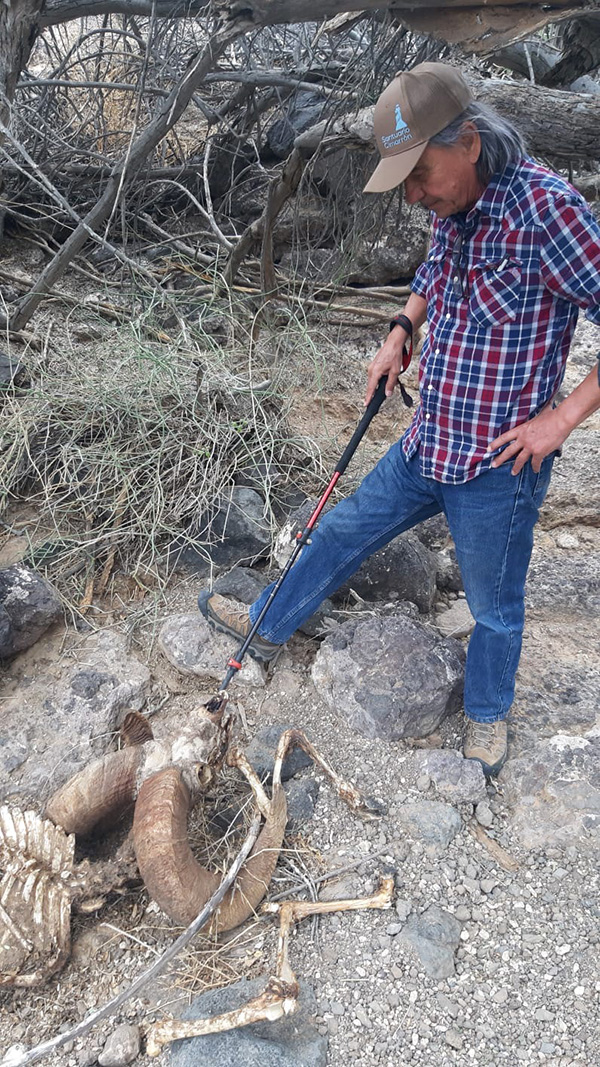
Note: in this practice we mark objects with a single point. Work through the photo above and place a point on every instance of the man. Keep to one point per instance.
(515, 253)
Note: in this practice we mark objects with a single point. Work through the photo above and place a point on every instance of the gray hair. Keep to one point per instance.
(501, 142)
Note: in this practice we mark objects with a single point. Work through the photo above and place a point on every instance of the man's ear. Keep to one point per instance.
(471, 141)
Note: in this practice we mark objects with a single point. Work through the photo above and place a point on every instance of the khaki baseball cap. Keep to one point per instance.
(414, 107)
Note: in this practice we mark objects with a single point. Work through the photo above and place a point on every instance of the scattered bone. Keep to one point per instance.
(35, 902)
(280, 996)
(162, 779)
(171, 874)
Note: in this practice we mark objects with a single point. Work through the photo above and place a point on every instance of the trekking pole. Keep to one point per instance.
(303, 536)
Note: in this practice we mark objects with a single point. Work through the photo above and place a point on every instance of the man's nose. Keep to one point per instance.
(412, 190)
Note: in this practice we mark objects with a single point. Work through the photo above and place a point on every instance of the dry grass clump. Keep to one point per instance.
(127, 445)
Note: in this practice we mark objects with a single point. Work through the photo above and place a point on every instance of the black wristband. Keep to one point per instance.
(404, 322)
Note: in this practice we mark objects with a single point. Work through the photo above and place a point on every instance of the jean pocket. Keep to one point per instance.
(495, 292)
(541, 481)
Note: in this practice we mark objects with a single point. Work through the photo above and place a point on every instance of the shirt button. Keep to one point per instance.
(428, 416)
(437, 351)
(430, 386)
(447, 314)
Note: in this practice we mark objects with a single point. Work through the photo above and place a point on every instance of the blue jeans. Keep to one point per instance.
(491, 519)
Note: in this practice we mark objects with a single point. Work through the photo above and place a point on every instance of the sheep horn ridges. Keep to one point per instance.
(171, 874)
(98, 794)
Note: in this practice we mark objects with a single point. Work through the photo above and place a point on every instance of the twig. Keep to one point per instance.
(135, 159)
(19, 1059)
(279, 194)
(500, 854)
(378, 316)
(335, 873)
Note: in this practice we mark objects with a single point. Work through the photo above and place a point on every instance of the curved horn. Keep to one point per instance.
(171, 874)
(98, 794)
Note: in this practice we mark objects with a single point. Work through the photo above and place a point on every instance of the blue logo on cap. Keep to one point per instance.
(400, 123)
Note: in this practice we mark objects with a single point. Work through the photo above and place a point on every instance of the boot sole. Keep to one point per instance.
(221, 628)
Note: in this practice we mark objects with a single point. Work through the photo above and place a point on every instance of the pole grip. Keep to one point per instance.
(371, 410)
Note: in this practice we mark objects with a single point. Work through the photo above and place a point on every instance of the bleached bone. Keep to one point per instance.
(36, 858)
(367, 807)
(280, 996)
(162, 778)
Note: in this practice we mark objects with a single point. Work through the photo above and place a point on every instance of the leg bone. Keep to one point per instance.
(368, 807)
(281, 993)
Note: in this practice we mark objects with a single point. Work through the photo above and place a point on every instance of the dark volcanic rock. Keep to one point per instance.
(434, 937)
(238, 532)
(28, 606)
(571, 582)
(301, 799)
(431, 821)
(261, 754)
(242, 583)
(403, 570)
(390, 677)
(55, 722)
(460, 780)
(304, 110)
(554, 792)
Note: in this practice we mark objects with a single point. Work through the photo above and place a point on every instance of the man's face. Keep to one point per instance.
(445, 180)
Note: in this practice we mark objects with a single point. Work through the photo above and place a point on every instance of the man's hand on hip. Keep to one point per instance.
(532, 440)
(543, 434)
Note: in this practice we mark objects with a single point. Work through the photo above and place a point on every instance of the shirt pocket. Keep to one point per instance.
(435, 278)
(495, 292)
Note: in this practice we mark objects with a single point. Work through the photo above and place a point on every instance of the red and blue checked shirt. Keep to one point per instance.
(502, 304)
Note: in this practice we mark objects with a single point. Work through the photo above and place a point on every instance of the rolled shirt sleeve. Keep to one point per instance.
(419, 282)
(570, 254)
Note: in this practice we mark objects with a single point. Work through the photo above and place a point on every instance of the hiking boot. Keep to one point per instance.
(233, 619)
(486, 743)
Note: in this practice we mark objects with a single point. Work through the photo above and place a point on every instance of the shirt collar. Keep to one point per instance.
(492, 201)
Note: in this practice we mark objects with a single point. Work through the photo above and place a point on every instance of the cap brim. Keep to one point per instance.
(392, 170)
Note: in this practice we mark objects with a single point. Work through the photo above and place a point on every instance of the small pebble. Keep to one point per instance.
(122, 1047)
(484, 815)
(454, 1039)
(567, 540)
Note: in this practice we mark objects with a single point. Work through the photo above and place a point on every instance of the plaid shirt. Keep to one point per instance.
(503, 285)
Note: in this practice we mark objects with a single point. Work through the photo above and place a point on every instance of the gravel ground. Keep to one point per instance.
(503, 967)
(526, 986)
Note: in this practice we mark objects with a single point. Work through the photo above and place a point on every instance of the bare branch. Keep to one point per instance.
(166, 118)
(280, 192)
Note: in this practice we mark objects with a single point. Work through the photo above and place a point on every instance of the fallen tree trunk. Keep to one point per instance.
(557, 125)
(437, 17)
